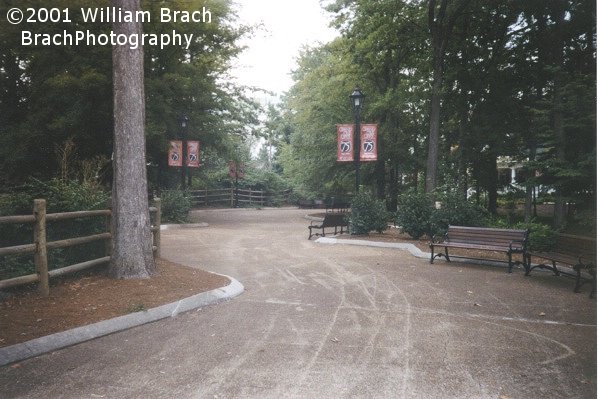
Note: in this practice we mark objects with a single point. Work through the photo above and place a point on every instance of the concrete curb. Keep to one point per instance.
(415, 251)
(183, 226)
(38, 346)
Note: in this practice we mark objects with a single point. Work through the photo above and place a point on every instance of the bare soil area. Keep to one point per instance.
(89, 297)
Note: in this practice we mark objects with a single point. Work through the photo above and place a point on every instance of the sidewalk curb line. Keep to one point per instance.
(415, 251)
(63, 339)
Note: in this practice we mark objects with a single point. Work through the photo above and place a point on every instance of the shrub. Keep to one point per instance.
(175, 206)
(367, 214)
(541, 237)
(414, 213)
(456, 210)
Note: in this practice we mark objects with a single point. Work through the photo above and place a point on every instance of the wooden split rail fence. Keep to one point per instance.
(40, 246)
(239, 197)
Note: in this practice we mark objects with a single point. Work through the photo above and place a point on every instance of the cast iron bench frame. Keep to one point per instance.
(509, 241)
(330, 220)
(572, 251)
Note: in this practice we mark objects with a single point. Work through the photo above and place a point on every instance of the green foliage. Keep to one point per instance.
(60, 196)
(367, 214)
(542, 237)
(456, 210)
(414, 213)
(418, 216)
(175, 206)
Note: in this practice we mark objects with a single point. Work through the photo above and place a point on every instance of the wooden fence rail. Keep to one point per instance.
(232, 197)
(40, 246)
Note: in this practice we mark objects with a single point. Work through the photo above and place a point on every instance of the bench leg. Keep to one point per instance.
(439, 254)
(309, 238)
(578, 282)
(555, 270)
(527, 263)
(510, 262)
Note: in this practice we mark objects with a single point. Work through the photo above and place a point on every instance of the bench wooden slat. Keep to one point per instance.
(509, 241)
(572, 251)
(330, 220)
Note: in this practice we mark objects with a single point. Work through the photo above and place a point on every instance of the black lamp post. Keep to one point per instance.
(184, 123)
(357, 98)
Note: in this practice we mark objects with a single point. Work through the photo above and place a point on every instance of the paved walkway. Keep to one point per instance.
(334, 321)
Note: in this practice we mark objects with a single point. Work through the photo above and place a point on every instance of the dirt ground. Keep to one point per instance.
(89, 297)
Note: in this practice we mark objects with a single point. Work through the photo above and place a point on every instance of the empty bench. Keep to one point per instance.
(575, 252)
(335, 220)
(507, 241)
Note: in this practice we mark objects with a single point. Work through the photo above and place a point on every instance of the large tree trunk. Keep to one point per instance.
(132, 255)
(440, 24)
(434, 137)
(560, 203)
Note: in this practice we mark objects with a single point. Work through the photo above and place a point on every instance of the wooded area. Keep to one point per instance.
(459, 89)
(455, 86)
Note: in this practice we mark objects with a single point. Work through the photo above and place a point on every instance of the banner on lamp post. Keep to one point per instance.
(369, 143)
(175, 153)
(344, 148)
(193, 154)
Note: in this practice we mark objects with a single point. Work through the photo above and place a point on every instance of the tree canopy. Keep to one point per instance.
(500, 81)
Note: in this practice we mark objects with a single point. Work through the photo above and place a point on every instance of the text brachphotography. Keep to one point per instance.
(87, 38)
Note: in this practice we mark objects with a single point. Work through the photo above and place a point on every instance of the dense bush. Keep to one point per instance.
(414, 213)
(542, 237)
(175, 206)
(367, 214)
(455, 210)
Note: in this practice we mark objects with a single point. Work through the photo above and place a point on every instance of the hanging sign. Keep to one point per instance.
(344, 150)
(193, 154)
(369, 143)
(175, 153)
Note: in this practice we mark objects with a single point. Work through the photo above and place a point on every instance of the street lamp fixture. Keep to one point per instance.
(357, 98)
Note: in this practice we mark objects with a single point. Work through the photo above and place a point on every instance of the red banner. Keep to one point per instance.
(193, 154)
(369, 143)
(344, 148)
(175, 153)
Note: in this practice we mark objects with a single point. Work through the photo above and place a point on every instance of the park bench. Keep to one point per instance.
(330, 220)
(334, 204)
(575, 252)
(305, 203)
(507, 241)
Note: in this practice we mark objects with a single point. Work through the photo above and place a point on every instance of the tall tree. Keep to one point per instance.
(441, 21)
(132, 254)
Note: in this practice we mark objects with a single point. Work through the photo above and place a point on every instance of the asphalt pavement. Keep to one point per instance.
(333, 321)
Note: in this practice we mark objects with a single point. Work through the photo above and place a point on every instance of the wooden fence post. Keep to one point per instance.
(41, 252)
(109, 228)
(157, 223)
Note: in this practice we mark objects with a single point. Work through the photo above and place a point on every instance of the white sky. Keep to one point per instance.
(272, 52)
